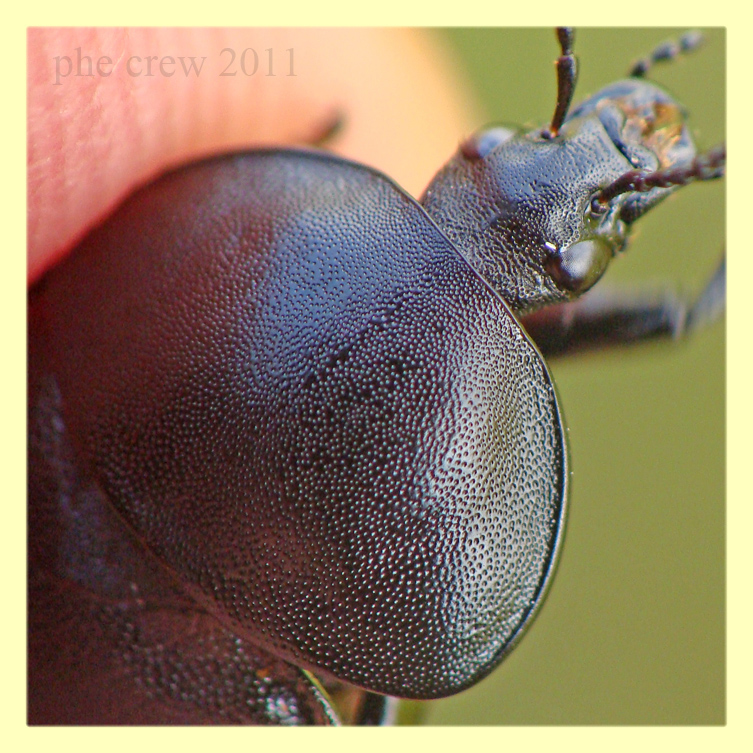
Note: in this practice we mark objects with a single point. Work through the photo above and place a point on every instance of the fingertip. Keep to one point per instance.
(159, 97)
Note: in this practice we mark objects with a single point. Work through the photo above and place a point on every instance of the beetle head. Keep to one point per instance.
(520, 205)
(648, 128)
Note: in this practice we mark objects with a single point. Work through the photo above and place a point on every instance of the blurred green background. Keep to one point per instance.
(633, 629)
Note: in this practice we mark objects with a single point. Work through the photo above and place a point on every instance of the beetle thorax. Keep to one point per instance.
(513, 210)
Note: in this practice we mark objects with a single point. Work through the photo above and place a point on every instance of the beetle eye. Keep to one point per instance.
(576, 268)
(480, 144)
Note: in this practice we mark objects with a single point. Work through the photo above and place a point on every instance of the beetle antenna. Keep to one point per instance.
(666, 51)
(708, 166)
(567, 76)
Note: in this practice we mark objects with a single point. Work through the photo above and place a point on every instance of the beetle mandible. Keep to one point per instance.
(346, 455)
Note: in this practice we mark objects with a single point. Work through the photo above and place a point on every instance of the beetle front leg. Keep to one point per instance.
(608, 318)
(376, 710)
(358, 707)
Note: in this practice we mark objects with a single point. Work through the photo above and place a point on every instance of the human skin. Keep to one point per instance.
(92, 139)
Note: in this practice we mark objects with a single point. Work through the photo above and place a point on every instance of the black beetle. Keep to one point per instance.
(147, 394)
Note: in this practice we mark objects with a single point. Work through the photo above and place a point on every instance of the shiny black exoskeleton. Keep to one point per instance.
(282, 415)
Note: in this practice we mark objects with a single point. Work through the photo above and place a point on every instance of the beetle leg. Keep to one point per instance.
(604, 319)
(358, 707)
(376, 710)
